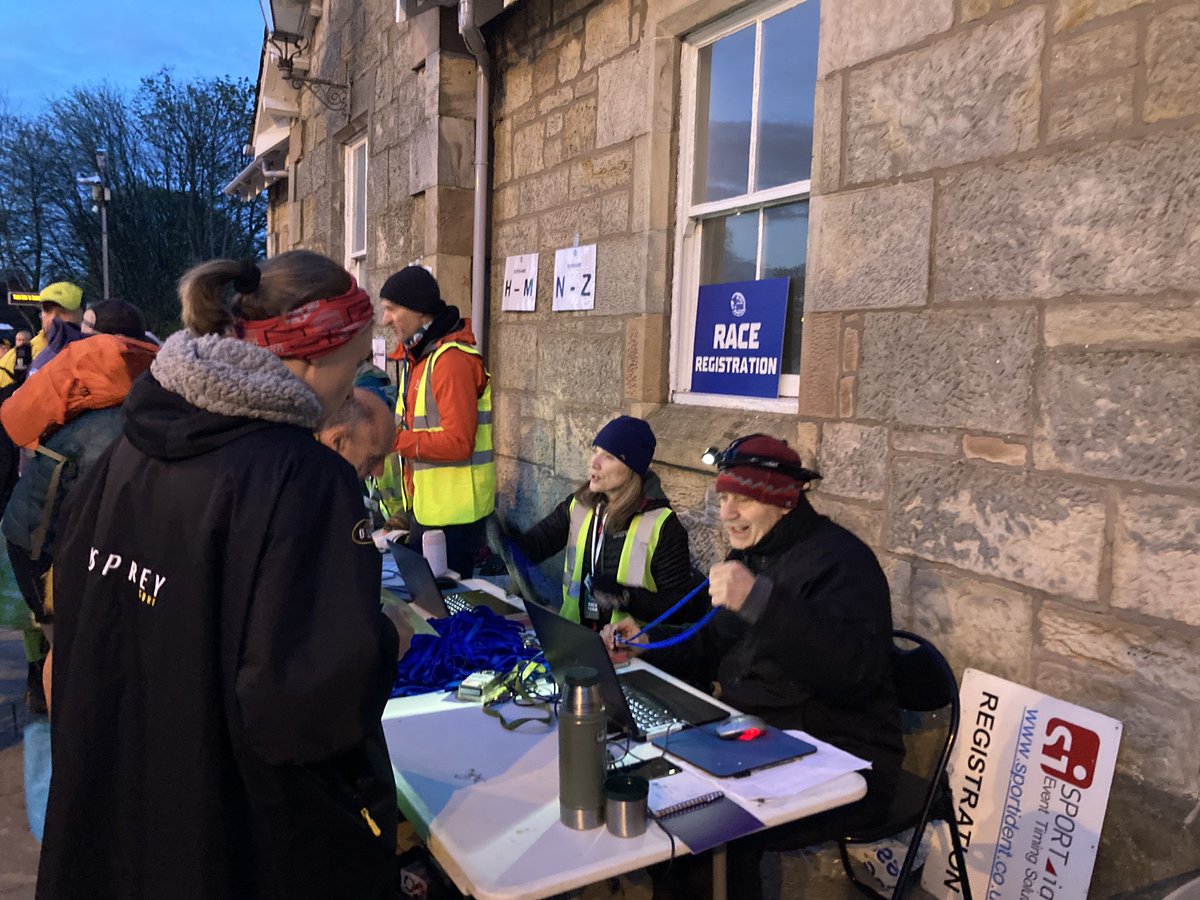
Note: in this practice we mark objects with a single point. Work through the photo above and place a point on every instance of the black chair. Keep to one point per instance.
(928, 697)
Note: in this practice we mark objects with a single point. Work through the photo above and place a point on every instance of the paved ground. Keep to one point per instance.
(18, 849)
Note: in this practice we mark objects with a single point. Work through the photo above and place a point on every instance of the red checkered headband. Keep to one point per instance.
(314, 329)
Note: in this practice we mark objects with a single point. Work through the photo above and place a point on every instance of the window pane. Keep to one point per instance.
(785, 254)
(786, 90)
(729, 248)
(724, 94)
(359, 239)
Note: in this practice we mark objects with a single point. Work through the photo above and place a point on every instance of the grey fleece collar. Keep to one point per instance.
(234, 378)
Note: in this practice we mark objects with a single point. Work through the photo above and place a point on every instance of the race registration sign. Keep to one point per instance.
(739, 337)
(1030, 776)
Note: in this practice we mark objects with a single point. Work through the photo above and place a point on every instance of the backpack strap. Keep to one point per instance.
(38, 538)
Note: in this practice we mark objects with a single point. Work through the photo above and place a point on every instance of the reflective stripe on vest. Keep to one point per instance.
(453, 493)
(636, 554)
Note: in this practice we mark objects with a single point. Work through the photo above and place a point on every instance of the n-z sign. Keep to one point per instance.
(1030, 777)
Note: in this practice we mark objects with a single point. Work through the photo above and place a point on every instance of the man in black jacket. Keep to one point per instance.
(802, 639)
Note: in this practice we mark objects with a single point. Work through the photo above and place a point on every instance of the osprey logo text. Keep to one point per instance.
(147, 582)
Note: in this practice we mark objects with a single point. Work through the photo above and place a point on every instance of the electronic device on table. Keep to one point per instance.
(639, 703)
(423, 588)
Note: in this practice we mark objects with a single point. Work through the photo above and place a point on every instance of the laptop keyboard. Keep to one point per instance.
(456, 603)
(649, 714)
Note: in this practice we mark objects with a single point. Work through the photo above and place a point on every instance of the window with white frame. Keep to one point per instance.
(746, 146)
(356, 209)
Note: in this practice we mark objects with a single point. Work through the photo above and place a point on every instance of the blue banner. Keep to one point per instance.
(739, 338)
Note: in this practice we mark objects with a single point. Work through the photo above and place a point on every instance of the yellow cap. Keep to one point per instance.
(65, 294)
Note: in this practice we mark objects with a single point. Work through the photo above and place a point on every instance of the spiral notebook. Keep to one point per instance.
(690, 808)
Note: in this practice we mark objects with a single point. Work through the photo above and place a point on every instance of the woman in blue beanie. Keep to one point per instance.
(627, 553)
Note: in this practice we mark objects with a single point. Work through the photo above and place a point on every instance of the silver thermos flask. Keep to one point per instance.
(581, 733)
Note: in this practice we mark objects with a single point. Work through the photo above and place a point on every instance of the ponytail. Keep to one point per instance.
(260, 290)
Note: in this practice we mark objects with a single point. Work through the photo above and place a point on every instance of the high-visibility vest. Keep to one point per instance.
(453, 493)
(633, 570)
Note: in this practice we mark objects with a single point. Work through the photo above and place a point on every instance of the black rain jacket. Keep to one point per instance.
(220, 667)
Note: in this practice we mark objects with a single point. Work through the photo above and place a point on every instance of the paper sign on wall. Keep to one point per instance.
(519, 292)
(1030, 777)
(739, 337)
(379, 352)
(575, 278)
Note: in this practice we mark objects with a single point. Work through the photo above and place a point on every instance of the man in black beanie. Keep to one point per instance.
(444, 413)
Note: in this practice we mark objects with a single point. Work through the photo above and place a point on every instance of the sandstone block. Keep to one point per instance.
(554, 125)
(1037, 530)
(1101, 324)
(854, 31)
(527, 150)
(851, 349)
(569, 59)
(614, 213)
(448, 212)
(807, 441)
(854, 460)
(1094, 109)
(847, 393)
(545, 191)
(624, 97)
(1114, 414)
(581, 371)
(556, 99)
(580, 133)
(652, 203)
(1173, 64)
(574, 432)
(899, 576)
(970, 10)
(626, 268)
(502, 152)
(601, 172)
(518, 87)
(505, 203)
(1158, 742)
(949, 369)
(606, 32)
(513, 238)
(975, 623)
(1156, 550)
(941, 443)
(994, 449)
(545, 71)
(646, 340)
(559, 227)
(1161, 657)
(587, 84)
(514, 346)
(1094, 52)
(827, 136)
(1076, 12)
(819, 365)
(968, 97)
(864, 521)
(870, 249)
(552, 152)
(1037, 228)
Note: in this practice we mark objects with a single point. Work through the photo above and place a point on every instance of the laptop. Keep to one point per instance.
(639, 703)
(423, 590)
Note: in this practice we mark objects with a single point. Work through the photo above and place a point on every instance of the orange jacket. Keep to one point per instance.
(458, 383)
(93, 373)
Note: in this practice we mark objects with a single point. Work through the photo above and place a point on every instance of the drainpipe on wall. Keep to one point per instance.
(475, 43)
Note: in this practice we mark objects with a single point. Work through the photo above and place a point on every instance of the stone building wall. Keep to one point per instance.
(1001, 352)
(1001, 359)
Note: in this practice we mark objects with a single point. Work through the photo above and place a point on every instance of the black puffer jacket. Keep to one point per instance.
(811, 647)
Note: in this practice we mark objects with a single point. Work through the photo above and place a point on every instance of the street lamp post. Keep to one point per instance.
(102, 169)
(100, 196)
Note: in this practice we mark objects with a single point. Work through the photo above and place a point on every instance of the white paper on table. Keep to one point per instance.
(788, 779)
(684, 785)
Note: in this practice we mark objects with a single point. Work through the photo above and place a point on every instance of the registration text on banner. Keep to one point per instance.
(1030, 777)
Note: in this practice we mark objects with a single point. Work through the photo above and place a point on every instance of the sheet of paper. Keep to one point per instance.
(791, 778)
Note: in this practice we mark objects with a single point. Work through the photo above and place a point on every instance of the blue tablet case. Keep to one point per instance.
(724, 758)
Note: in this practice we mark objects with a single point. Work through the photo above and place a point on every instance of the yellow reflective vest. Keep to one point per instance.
(452, 493)
(633, 570)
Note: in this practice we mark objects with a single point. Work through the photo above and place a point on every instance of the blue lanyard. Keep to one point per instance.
(674, 639)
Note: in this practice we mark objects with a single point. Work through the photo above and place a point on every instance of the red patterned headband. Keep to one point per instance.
(314, 329)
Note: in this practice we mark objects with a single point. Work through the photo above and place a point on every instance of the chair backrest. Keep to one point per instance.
(924, 680)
